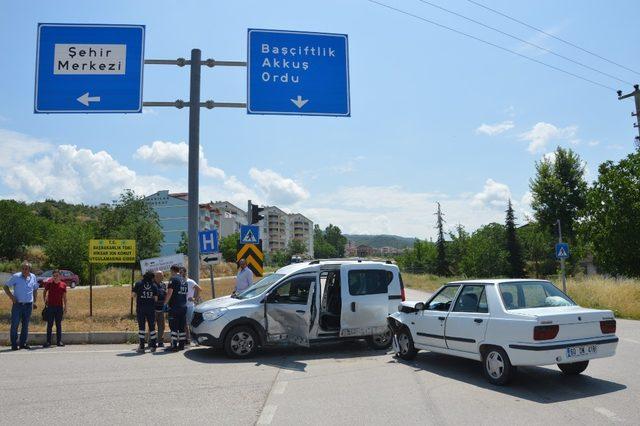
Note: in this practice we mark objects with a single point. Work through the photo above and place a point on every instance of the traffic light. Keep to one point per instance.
(255, 214)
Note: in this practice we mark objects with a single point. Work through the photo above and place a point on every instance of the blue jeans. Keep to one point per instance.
(20, 312)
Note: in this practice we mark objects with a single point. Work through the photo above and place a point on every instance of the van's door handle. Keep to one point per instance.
(353, 306)
(300, 312)
(478, 320)
(442, 318)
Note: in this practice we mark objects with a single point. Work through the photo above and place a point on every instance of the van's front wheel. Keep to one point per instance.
(380, 341)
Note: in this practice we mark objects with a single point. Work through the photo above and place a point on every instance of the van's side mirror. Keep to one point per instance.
(272, 298)
(419, 306)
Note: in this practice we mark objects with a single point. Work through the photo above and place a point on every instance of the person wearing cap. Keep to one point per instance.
(25, 291)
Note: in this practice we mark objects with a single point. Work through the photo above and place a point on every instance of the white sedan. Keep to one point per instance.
(505, 324)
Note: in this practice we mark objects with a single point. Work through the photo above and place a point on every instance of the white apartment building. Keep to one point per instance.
(231, 217)
(279, 228)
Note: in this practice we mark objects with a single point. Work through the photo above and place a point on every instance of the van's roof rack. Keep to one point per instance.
(351, 259)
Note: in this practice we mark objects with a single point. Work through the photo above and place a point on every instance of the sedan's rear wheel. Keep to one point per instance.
(406, 350)
(573, 368)
(496, 366)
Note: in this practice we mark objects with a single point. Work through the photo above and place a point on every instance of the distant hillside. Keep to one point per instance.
(377, 241)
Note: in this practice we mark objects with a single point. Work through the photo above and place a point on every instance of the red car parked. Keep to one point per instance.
(69, 278)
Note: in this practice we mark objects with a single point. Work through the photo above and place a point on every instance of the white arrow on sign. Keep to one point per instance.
(299, 102)
(85, 99)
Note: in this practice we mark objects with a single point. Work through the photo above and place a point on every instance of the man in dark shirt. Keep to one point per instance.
(176, 303)
(146, 295)
(162, 292)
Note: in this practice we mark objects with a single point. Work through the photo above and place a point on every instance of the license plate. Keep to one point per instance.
(578, 351)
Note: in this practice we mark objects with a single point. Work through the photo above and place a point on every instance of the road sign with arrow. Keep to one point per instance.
(252, 254)
(210, 259)
(89, 68)
(297, 73)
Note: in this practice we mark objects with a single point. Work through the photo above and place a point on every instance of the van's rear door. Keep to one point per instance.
(365, 299)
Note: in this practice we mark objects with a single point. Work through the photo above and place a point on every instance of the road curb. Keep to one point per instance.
(81, 338)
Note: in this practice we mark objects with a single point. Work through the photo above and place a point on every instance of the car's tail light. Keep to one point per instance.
(404, 296)
(608, 326)
(545, 332)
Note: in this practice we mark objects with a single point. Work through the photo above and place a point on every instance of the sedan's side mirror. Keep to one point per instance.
(419, 306)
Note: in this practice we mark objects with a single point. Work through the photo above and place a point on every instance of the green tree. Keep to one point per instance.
(229, 247)
(514, 251)
(296, 246)
(333, 235)
(559, 192)
(279, 258)
(19, 227)
(183, 245)
(537, 248)
(420, 259)
(457, 248)
(67, 247)
(613, 224)
(130, 217)
(442, 266)
(486, 256)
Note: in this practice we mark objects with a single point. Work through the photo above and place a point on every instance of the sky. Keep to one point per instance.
(435, 116)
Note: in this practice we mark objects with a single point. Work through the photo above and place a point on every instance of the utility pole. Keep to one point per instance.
(249, 212)
(194, 105)
(564, 275)
(636, 95)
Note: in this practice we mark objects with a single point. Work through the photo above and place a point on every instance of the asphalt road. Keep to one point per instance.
(332, 384)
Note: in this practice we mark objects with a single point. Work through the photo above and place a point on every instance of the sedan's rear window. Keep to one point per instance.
(532, 294)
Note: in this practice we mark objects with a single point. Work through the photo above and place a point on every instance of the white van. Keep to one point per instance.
(303, 304)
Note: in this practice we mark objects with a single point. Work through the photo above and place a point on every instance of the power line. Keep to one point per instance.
(551, 35)
(524, 41)
(491, 44)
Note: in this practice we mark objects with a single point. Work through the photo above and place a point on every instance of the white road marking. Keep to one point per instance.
(607, 413)
(267, 414)
(624, 339)
(279, 388)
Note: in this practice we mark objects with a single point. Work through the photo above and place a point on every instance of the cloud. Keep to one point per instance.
(494, 194)
(171, 153)
(541, 133)
(593, 143)
(495, 129)
(276, 188)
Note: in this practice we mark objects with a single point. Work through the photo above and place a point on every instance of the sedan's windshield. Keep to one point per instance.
(532, 294)
(259, 287)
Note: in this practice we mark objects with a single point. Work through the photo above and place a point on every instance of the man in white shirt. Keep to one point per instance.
(193, 296)
(244, 279)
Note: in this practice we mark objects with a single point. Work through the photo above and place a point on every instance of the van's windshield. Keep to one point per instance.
(259, 287)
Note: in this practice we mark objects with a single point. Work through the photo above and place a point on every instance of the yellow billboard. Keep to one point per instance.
(112, 251)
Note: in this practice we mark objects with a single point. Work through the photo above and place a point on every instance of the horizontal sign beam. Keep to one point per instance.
(179, 103)
(181, 62)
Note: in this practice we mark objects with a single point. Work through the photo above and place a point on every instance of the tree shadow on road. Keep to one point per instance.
(288, 358)
(537, 384)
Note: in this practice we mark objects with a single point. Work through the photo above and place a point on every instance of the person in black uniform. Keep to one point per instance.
(160, 314)
(176, 303)
(146, 295)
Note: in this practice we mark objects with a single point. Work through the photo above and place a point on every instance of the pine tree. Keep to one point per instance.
(442, 267)
(516, 265)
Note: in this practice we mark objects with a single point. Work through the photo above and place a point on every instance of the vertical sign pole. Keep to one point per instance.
(564, 275)
(213, 290)
(133, 271)
(90, 289)
(194, 153)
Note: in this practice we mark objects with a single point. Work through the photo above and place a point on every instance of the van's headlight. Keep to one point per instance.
(213, 314)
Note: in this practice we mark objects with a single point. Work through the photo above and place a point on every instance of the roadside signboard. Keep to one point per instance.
(161, 263)
(297, 73)
(82, 68)
(249, 234)
(112, 251)
(210, 259)
(208, 241)
(562, 251)
(252, 254)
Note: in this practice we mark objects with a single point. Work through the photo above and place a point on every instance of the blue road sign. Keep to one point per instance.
(249, 234)
(562, 250)
(89, 68)
(297, 73)
(208, 241)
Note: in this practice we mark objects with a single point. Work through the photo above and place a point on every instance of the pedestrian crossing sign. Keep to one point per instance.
(249, 234)
(562, 251)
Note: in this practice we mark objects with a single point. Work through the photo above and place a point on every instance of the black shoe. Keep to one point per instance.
(171, 349)
(152, 349)
(60, 344)
(25, 347)
(160, 345)
(46, 345)
(140, 349)
(14, 348)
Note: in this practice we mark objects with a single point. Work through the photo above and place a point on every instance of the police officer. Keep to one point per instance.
(176, 303)
(146, 294)
(160, 314)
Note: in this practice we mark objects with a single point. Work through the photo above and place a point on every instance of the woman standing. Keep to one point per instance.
(55, 302)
